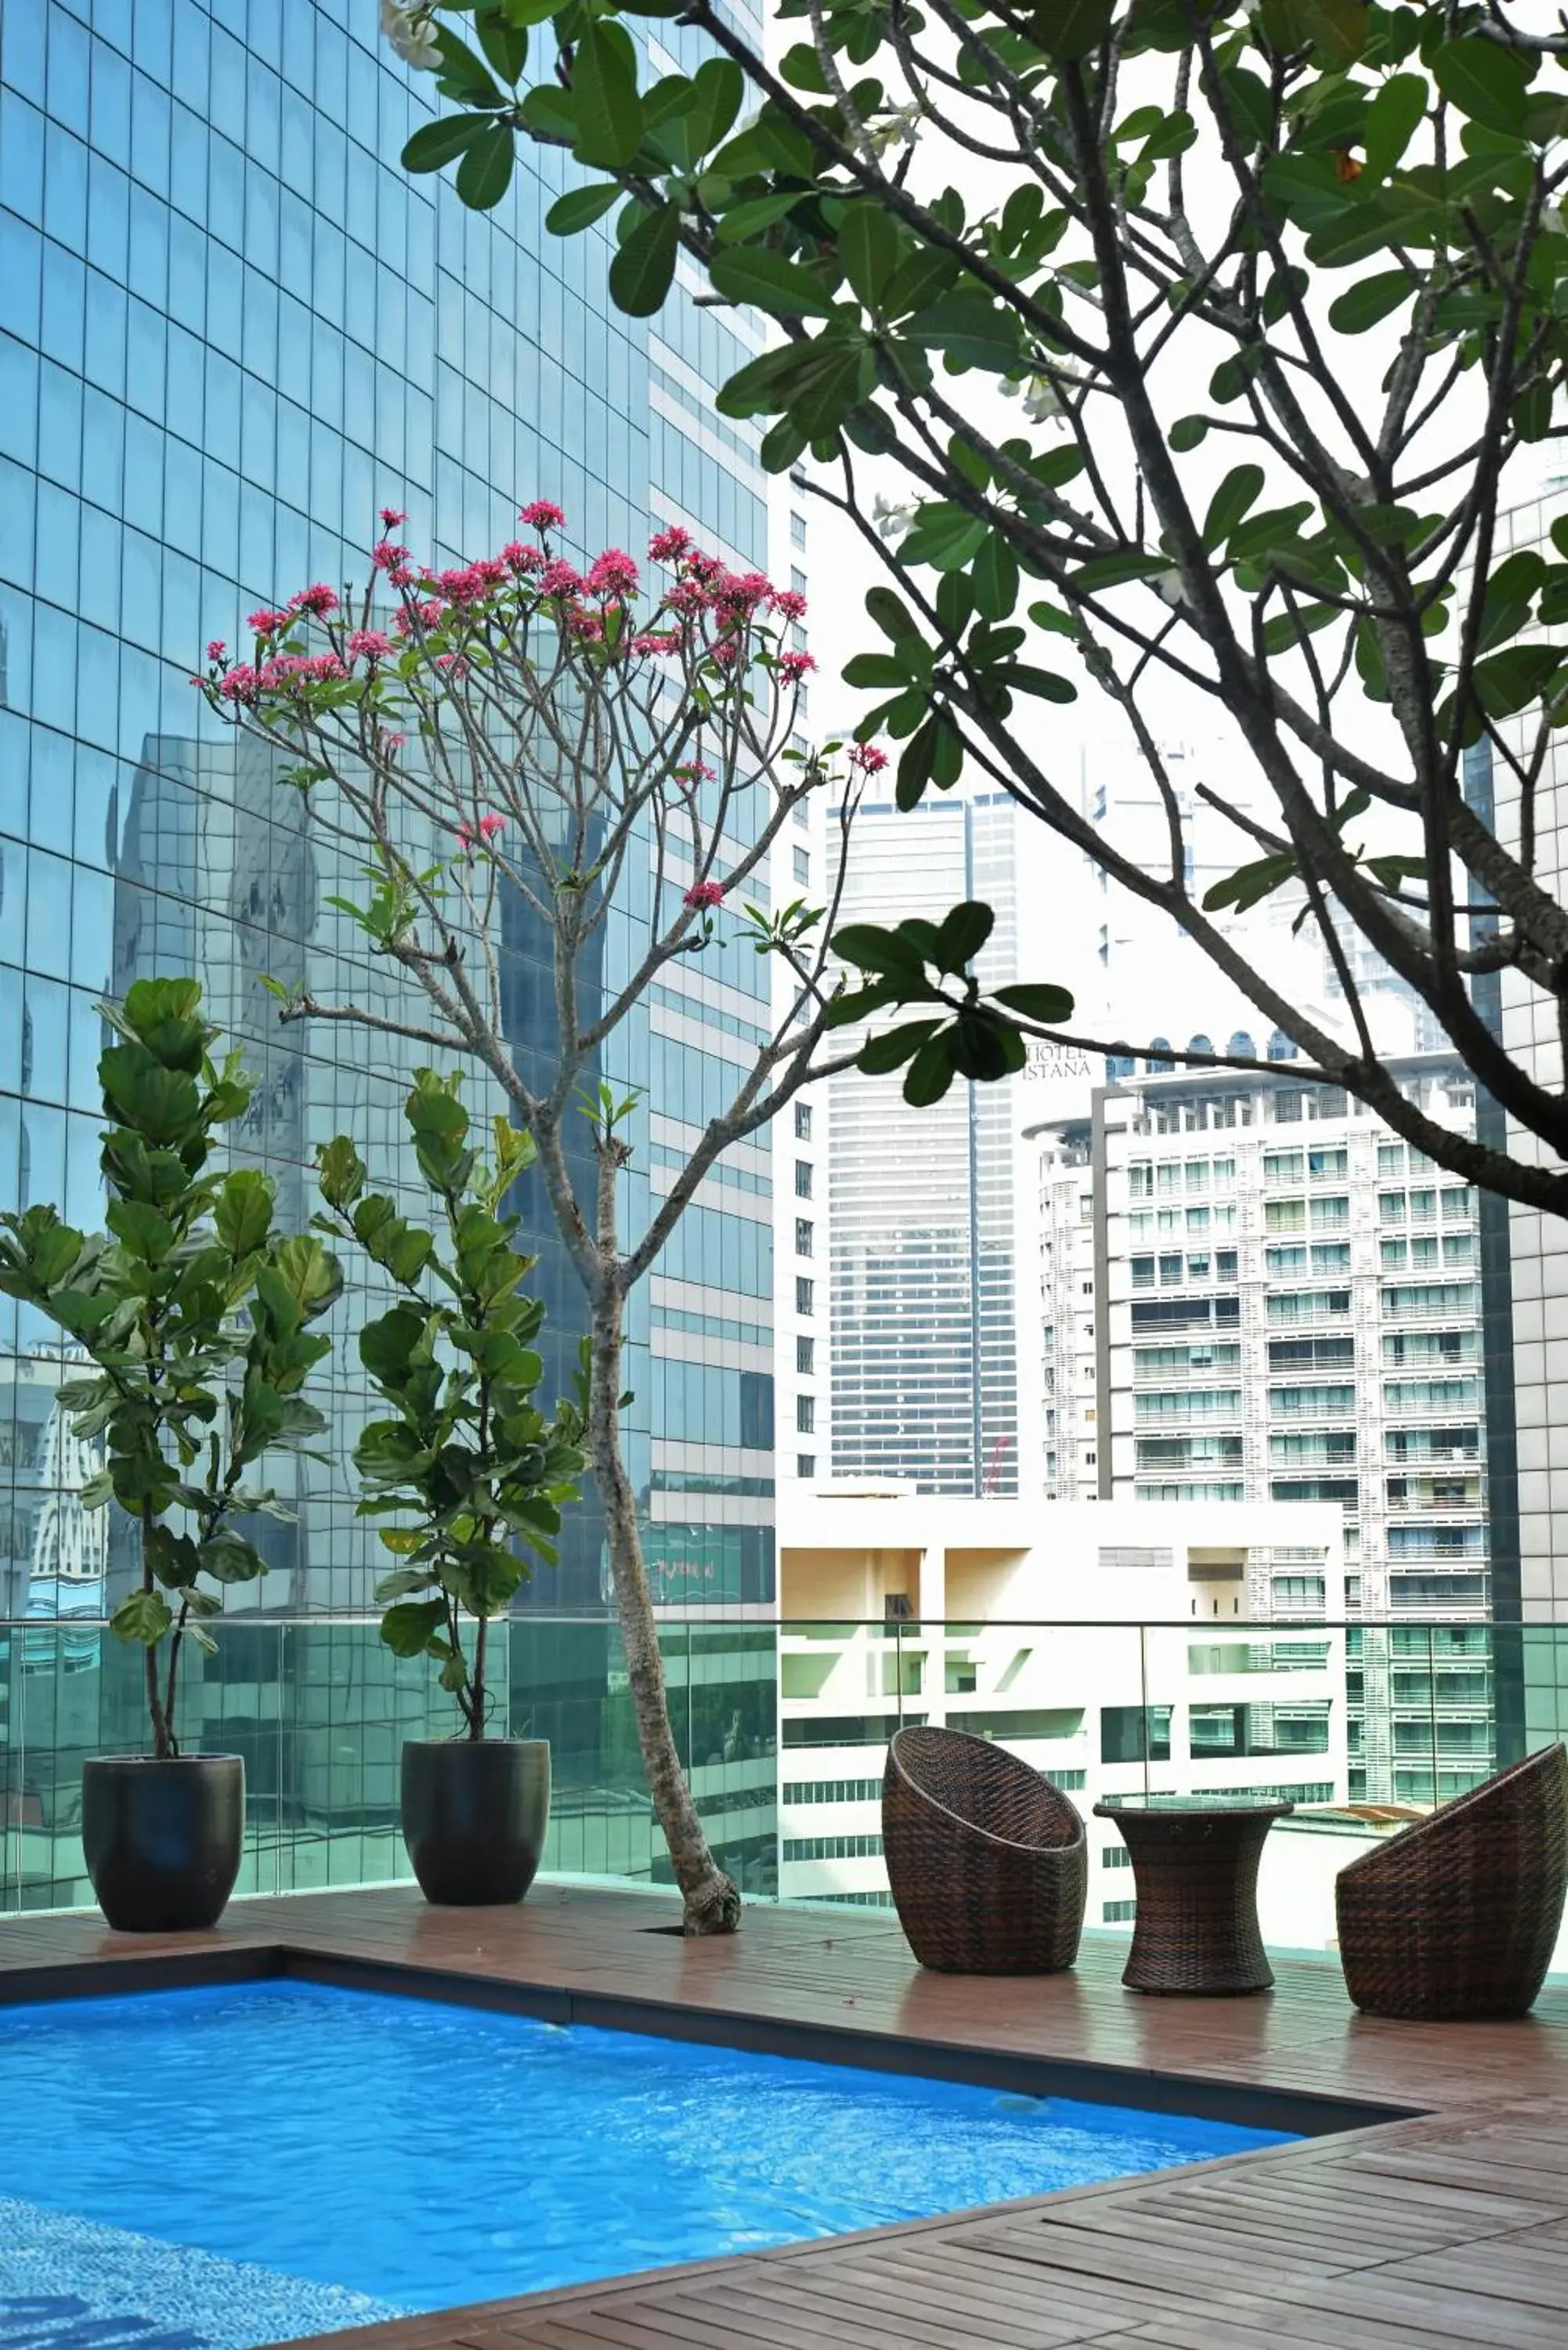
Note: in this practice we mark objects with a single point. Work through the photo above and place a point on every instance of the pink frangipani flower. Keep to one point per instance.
(870, 757)
(613, 573)
(543, 515)
(216, 650)
(794, 666)
(263, 623)
(790, 602)
(371, 643)
(558, 578)
(391, 517)
(320, 599)
(705, 893)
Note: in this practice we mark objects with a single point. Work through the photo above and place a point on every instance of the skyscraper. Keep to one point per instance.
(231, 328)
(921, 1224)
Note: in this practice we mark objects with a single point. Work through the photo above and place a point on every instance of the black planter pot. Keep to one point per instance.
(474, 1817)
(163, 1839)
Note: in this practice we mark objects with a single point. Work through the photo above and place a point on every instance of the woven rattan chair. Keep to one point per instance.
(1457, 1916)
(988, 1861)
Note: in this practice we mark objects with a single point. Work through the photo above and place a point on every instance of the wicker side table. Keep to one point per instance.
(1195, 1873)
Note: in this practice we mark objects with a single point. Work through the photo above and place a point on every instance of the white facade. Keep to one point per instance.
(1108, 1643)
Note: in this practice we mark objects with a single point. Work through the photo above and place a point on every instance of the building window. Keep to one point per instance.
(1118, 1913)
(806, 1466)
(802, 1121)
(806, 1356)
(1115, 1856)
(803, 866)
(804, 1232)
(797, 579)
(805, 1415)
(805, 1294)
(802, 1179)
(797, 530)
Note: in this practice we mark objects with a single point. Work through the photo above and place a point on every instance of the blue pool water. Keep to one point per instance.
(323, 2157)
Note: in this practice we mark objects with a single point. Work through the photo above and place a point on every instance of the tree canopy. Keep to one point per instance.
(1279, 290)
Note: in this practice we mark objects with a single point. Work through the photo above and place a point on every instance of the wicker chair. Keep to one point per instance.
(1456, 1918)
(988, 1861)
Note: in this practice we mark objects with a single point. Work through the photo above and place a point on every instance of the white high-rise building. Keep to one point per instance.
(1250, 1290)
(923, 1203)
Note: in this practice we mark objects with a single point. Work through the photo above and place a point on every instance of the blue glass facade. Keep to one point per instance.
(232, 328)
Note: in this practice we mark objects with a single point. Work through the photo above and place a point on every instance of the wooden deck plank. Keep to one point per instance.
(1433, 2234)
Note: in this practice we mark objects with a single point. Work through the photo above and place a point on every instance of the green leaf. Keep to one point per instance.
(504, 39)
(243, 1214)
(781, 287)
(1186, 432)
(1069, 29)
(642, 269)
(464, 76)
(878, 670)
(1230, 503)
(931, 1071)
(1391, 122)
(961, 934)
(840, 374)
(579, 208)
(142, 1616)
(1373, 299)
(435, 144)
(1250, 884)
(416, 1628)
(1038, 1001)
(1336, 28)
(341, 1172)
(485, 173)
(874, 948)
(1486, 81)
(868, 246)
(994, 578)
(604, 85)
(882, 1054)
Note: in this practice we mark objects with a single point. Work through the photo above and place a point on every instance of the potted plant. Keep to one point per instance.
(194, 1311)
(469, 1468)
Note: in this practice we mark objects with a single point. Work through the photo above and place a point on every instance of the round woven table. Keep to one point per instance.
(1194, 1872)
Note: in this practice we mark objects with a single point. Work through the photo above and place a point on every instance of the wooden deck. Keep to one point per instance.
(1427, 2233)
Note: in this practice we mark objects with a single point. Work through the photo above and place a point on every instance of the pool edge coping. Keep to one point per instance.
(1313, 2118)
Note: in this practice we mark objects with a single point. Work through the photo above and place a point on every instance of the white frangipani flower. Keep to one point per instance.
(412, 33)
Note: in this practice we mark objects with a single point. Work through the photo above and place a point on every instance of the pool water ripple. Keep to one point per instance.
(423, 2155)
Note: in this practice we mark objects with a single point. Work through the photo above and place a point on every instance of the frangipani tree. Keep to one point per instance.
(1279, 288)
(518, 736)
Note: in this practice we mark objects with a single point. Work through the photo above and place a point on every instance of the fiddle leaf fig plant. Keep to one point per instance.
(196, 1313)
(466, 1465)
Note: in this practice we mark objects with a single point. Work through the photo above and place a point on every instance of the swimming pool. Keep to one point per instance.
(231, 2165)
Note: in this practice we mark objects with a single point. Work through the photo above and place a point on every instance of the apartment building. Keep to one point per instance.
(1250, 1290)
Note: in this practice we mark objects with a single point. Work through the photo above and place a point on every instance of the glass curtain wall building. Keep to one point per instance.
(231, 328)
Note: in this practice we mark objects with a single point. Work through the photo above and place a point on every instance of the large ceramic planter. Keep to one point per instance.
(474, 1817)
(163, 1839)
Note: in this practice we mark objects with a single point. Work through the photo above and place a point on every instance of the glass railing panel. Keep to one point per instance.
(783, 1730)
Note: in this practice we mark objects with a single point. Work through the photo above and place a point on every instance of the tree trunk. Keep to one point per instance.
(712, 1902)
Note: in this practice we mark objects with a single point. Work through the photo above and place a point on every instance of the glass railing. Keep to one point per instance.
(784, 1727)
